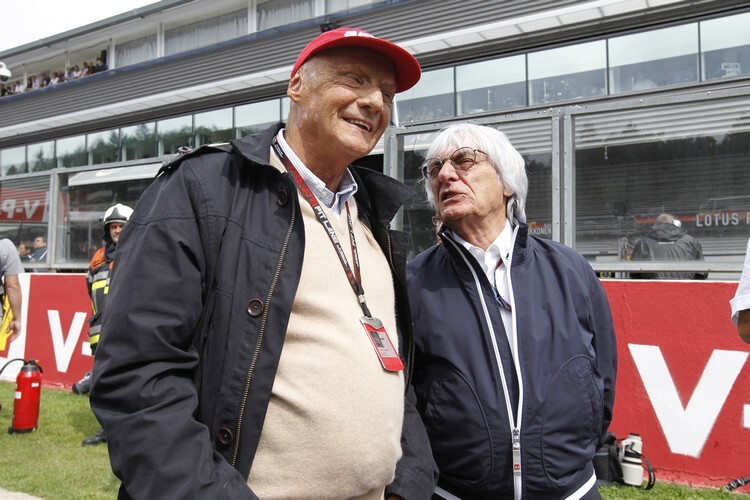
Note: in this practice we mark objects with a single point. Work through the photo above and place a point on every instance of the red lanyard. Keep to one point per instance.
(355, 278)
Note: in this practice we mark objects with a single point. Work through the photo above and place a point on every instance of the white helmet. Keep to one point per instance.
(117, 213)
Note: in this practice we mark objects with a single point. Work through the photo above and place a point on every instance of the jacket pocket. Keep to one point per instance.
(457, 426)
(571, 420)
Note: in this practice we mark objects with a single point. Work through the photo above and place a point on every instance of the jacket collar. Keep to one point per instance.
(380, 194)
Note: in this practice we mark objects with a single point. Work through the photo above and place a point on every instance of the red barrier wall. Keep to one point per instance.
(682, 382)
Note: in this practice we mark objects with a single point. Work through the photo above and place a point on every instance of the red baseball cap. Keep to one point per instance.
(405, 66)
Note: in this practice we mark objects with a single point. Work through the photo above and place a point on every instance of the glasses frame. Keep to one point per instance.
(426, 173)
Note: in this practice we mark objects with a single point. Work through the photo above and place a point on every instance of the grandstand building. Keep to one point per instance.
(623, 110)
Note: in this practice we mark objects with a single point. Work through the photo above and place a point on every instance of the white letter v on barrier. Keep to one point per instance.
(687, 429)
(64, 345)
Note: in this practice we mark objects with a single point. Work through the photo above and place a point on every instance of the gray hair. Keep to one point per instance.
(509, 164)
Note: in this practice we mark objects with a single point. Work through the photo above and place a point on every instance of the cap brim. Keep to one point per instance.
(406, 68)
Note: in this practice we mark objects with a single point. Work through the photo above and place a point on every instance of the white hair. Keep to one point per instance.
(509, 164)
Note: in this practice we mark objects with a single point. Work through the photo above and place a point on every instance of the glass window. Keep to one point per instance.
(491, 85)
(339, 5)
(213, 126)
(173, 133)
(41, 156)
(255, 117)
(13, 160)
(725, 44)
(273, 13)
(138, 141)
(71, 151)
(654, 59)
(135, 51)
(24, 211)
(80, 204)
(431, 98)
(285, 102)
(574, 72)
(205, 32)
(689, 161)
(533, 139)
(104, 147)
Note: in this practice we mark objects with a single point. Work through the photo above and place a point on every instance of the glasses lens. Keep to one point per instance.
(431, 167)
(463, 158)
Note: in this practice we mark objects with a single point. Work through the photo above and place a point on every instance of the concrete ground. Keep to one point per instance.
(12, 495)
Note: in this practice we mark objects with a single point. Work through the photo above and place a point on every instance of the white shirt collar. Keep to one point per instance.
(335, 201)
(502, 246)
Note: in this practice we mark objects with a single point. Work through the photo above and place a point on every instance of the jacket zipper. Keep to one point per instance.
(515, 423)
(261, 331)
(409, 345)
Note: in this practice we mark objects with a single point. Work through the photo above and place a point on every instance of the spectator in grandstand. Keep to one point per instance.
(3, 90)
(97, 279)
(508, 328)
(19, 87)
(98, 66)
(86, 71)
(69, 75)
(39, 254)
(10, 268)
(668, 241)
(44, 80)
(240, 358)
(741, 302)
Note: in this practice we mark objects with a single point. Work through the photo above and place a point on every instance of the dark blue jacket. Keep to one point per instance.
(207, 270)
(566, 361)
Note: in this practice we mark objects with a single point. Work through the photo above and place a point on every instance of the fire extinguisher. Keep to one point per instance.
(28, 395)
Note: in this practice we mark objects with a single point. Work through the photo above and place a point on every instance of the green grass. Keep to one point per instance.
(51, 463)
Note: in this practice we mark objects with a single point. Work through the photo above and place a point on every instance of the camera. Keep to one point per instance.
(5, 73)
(630, 460)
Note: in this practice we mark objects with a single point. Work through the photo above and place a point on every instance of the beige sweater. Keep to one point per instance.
(334, 420)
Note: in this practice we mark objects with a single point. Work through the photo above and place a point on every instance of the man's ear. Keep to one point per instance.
(295, 86)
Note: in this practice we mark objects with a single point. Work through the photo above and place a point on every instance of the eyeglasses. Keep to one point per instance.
(462, 159)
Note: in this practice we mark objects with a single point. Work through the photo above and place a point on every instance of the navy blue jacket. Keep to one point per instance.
(567, 361)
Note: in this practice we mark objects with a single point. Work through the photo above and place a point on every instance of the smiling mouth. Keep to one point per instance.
(364, 126)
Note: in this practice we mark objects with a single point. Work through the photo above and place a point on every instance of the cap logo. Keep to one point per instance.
(359, 33)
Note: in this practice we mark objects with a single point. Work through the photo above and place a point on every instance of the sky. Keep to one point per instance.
(25, 21)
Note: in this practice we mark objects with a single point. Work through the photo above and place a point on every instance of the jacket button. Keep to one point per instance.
(255, 307)
(225, 436)
(283, 197)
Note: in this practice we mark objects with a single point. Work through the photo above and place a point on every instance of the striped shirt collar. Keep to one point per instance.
(335, 201)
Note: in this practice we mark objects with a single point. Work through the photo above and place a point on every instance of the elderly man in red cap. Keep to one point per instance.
(259, 343)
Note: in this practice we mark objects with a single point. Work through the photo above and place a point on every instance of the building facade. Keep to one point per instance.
(623, 110)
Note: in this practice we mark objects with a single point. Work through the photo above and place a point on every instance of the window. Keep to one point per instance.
(725, 44)
(205, 32)
(213, 126)
(104, 147)
(71, 151)
(138, 141)
(652, 59)
(82, 200)
(280, 12)
(491, 85)
(13, 161)
(429, 99)
(255, 117)
(573, 72)
(173, 133)
(339, 5)
(135, 51)
(24, 211)
(41, 156)
(688, 160)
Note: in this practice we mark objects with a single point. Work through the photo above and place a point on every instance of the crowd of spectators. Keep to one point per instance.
(35, 82)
